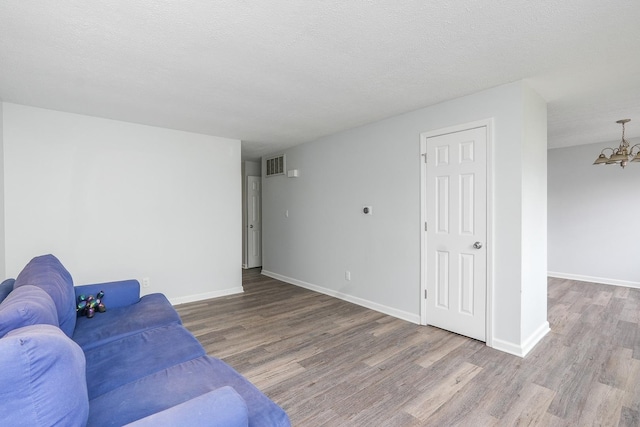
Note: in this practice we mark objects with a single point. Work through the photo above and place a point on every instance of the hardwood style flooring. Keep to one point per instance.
(331, 363)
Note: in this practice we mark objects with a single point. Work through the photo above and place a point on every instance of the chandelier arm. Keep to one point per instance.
(623, 154)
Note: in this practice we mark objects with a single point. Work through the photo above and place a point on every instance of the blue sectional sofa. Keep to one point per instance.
(134, 364)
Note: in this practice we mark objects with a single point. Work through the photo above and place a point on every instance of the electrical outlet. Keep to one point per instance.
(347, 275)
(146, 282)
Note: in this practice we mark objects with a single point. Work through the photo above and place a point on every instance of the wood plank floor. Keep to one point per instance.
(331, 363)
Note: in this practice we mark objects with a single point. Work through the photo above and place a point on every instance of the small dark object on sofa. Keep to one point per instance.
(88, 305)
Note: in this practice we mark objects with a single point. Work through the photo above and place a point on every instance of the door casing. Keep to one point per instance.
(488, 124)
(254, 222)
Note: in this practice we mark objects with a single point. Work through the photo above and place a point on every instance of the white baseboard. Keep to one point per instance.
(400, 314)
(603, 280)
(206, 295)
(527, 345)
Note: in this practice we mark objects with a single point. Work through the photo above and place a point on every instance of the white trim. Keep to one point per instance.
(489, 125)
(507, 347)
(602, 280)
(528, 344)
(490, 228)
(206, 295)
(400, 314)
(423, 233)
(535, 338)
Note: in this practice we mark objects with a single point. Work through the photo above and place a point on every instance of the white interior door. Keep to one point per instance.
(254, 222)
(455, 209)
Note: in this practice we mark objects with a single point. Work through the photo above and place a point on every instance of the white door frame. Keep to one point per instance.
(248, 226)
(488, 124)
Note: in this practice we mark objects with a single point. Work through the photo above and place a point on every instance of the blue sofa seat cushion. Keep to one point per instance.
(5, 288)
(42, 379)
(27, 305)
(150, 312)
(130, 358)
(48, 273)
(178, 384)
(219, 408)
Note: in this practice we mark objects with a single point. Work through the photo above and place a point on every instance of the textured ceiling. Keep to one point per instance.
(277, 73)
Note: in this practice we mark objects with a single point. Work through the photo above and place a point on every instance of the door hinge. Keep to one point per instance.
(425, 294)
(424, 155)
(425, 226)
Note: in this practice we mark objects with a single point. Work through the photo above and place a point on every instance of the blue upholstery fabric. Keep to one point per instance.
(48, 273)
(135, 356)
(117, 294)
(42, 380)
(150, 312)
(219, 408)
(138, 361)
(177, 384)
(5, 288)
(27, 305)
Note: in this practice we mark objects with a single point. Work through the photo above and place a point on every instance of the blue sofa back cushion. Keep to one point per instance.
(27, 305)
(48, 273)
(42, 380)
(5, 288)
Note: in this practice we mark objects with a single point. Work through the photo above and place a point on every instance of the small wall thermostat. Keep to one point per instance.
(367, 210)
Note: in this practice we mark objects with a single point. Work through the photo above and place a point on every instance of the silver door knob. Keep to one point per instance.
(477, 245)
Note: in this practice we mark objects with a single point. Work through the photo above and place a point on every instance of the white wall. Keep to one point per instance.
(378, 164)
(2, 173)
(116, 200)
(534, 218)
(594, 213)
(251, 168)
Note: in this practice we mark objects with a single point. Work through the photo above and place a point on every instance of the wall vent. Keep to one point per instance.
(275, 165)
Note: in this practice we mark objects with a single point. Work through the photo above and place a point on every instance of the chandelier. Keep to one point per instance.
(623, 154)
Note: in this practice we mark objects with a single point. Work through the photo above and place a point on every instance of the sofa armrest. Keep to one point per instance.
(116, 294)
(222, 407)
